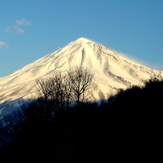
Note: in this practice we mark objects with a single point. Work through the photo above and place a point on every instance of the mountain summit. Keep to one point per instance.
(111, 70)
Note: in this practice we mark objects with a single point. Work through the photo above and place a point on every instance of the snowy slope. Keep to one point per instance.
(112, 71)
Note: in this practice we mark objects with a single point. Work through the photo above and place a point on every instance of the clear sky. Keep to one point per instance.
(30, 29)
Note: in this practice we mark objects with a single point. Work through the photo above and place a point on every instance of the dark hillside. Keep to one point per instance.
(137, 119)
(129, 131)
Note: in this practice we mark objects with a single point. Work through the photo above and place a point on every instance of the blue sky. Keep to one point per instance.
(30, 29)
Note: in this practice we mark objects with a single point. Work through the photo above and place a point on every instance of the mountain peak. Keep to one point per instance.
(82, 39)
(111, 71)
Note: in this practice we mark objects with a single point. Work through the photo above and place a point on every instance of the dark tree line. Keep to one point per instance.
(60, 92)
(129, 129)
(136, 121)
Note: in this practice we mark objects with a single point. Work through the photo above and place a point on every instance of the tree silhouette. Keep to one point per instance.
(75, 86)
(82, 84)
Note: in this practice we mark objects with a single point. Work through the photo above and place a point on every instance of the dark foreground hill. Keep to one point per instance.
(126, 129)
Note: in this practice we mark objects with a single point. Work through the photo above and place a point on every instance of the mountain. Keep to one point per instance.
(111, 72)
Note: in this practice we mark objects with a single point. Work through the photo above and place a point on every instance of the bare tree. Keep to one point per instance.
(56, 89)
(82, 84)
(43, 88)
(75, 86)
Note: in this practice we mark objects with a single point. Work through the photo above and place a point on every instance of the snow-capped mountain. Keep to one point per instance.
(111, 71)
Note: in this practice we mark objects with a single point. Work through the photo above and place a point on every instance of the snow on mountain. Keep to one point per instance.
(111, 71)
